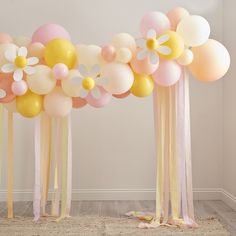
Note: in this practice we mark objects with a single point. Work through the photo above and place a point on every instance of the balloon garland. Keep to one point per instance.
(46, 76)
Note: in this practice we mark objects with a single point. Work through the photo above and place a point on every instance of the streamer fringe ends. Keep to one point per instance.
(49, 76)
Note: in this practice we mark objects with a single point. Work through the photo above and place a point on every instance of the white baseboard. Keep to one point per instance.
(127, 194)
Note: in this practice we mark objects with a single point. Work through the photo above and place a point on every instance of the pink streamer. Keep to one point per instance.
(37, 193)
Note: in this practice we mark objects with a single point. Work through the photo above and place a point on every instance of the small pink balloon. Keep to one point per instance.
(108, 53)
(19, 88)
(168, 73)
(60, 71)
(102, 101)
(176, 15)
(48, 32)
(5, 38)
(142, 66)
(154, 20)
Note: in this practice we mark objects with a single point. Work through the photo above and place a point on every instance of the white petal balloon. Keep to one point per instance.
(3, 49)
(120, 77)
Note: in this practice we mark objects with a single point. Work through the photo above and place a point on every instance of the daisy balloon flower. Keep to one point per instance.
(19, 63)
(89, 81)
(152, 46)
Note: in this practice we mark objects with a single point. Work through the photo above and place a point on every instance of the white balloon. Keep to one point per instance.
(195, 30)
(89, 55)
(124, 40)
(41, 82)
(71, 88)
(123, 55)
(186, 58)
(119, 77)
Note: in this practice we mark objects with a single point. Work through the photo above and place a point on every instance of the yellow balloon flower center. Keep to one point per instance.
(20, 62)
(152, 44)
(88, 83)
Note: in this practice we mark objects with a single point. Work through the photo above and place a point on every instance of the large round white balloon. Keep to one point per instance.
(195, 30)
(41, 82)
(89, 55)
(119, 77)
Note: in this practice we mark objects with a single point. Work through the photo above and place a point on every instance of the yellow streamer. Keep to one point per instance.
(10, 166)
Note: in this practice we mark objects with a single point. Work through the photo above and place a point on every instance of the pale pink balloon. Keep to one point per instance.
(57, 103)
(142, 66)
(102, 101)
(176, 15)
(60, 71)
(19, 88)
(48, 32)
(168, 73)
(108, 53)
(5, 38)
(154, 20)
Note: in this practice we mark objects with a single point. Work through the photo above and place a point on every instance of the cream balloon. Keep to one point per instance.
(186, 58)
(89, 55)
(57, 103)
(68, 86)
(42, 81)
(120, 77)
(195, 30)
(123, 55)
(211, 61)
(3, 48)
(124, 40)
(21, 41)
(36, 50)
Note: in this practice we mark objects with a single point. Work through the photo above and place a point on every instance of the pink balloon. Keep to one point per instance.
(5, 38)
(108, 53)
(176, 15)
(60, 71)
(102, 101)
(154, 20)
(142, 66)
(123, 95)
(19, 88)
(168, 73)
(48, 32)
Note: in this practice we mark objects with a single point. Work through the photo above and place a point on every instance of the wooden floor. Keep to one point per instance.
(203, 209)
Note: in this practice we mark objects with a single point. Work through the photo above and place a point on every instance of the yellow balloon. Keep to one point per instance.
(143, 85)
(60, 51)
(30, 104)
(175, 43)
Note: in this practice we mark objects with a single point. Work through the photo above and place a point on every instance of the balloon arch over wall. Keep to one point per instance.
(44, 77)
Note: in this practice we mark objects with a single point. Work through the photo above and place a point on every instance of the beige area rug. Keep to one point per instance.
(96, 226)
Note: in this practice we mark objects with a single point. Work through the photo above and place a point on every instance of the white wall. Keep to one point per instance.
(113, 147)
(229, 85)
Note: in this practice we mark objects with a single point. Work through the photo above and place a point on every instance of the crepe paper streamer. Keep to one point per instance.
(1, 138)
(37, 191)
(64, 167)
(57, 166)
(10, 167)
(69, 169)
